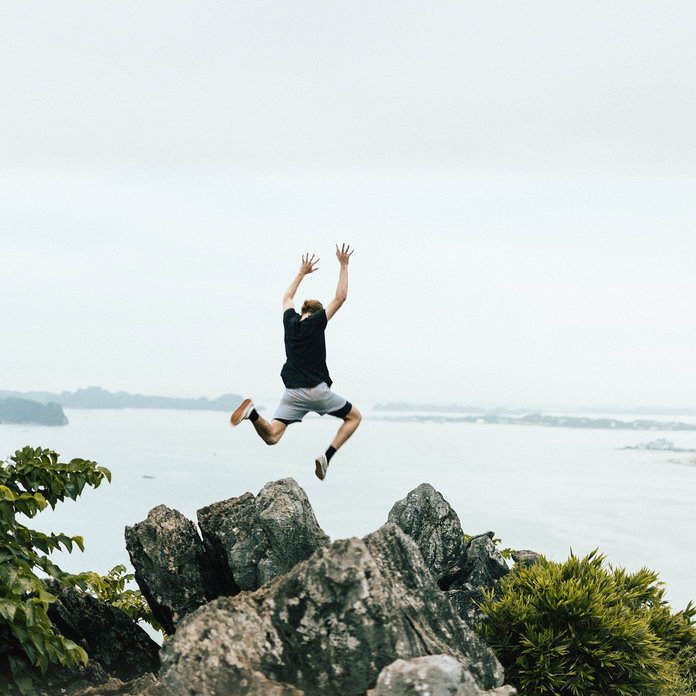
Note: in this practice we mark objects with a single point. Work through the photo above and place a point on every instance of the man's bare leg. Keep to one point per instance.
(271, 432)
(350, 423)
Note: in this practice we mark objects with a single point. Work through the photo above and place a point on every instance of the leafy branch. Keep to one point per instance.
(30, 481)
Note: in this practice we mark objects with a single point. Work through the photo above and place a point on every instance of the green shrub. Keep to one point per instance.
(112, 589)
(582, 629)
(31, 480)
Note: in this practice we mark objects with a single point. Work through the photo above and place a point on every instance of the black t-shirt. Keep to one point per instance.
(305, 350)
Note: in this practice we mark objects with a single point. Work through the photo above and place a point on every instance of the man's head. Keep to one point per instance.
(311, 307)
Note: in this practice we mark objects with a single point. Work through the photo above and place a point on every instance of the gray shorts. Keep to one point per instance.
(297, 403)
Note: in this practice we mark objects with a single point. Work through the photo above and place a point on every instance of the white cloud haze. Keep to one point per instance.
(518, 181)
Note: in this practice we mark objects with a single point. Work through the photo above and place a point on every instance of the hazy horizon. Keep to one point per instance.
(268, 403)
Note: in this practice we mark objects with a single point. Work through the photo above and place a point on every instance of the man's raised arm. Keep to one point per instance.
(343, 255)
(306, 268)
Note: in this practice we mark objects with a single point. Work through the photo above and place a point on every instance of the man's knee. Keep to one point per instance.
(274, 436)
(354, 415)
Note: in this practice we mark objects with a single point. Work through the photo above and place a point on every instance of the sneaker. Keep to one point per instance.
(321, 465)
(242, 413)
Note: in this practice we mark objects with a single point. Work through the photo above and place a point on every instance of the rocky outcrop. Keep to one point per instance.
(246, 542)
(432, 523)
(263, 605)
(255, 539)
(172, 568)
(328, 626)
(107, 634)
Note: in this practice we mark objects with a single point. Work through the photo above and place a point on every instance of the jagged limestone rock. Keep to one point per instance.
(483, 564)
(328, 626)
(171, 565)
(255, 539)
(480, 568)
(432, 523)
(106, 633)
(401, 562)
(466, 602)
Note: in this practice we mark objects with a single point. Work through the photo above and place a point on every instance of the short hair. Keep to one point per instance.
(311, 307)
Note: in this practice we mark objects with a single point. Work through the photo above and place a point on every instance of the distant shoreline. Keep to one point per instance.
(546, 421)
(98, 398)
(523, 410)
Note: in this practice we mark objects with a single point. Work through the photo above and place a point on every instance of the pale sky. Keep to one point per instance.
(518, 181)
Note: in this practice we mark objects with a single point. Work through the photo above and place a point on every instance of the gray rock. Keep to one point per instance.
(480, 568)
(106, 633)
(465, 601)
(525, 558)
(484, 565)
(328, 626)
(432, 523)
(256, 539)
(111, 687)
(403, 565)
(171, 565)
(434, 675)
(481, 565)
(58, 680)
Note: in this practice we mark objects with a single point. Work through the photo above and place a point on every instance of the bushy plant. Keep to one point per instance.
(30, 481)
(582, 628)
(113, 589)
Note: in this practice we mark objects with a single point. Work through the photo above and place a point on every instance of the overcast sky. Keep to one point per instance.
(518, 180)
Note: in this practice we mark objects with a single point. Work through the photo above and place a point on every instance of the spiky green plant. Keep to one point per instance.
(582, 628)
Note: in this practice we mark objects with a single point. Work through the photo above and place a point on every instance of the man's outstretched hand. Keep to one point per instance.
(343, 254)
(308, 264)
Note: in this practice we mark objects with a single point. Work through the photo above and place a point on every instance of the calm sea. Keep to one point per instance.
(546, 489)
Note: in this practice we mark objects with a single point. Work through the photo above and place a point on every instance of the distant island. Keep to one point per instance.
(659, 445)
(449, 408)
(547, 421)
(25, 411)
(459, 408)
(96, 397)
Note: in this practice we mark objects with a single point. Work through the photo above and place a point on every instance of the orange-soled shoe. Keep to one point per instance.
(242, 412)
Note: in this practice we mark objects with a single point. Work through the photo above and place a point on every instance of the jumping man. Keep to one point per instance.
(305, 375)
